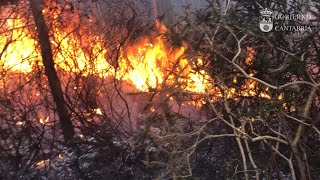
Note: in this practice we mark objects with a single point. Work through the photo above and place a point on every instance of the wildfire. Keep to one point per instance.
(250, 86)
(150, 62)
(19, 52)
(147, 64)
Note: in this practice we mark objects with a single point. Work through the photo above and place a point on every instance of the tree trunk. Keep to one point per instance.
(54, 82)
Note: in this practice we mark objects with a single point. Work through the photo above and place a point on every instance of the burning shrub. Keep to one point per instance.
(210, 97)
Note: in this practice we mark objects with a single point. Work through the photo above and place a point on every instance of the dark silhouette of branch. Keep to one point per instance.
(54, 82)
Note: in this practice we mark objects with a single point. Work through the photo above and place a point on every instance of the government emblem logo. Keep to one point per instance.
(266, 21)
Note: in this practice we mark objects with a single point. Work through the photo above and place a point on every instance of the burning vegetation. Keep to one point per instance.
(100, 82)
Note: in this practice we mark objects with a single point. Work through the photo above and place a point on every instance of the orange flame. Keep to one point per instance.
(145, 64)
(18, 49)
(148, 64)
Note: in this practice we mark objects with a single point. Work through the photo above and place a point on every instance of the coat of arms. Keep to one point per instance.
(266, 21)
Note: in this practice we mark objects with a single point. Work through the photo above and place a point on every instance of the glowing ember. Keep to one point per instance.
(44, 121)
(42, 163)
(98, 111)
(60, 156)
(250, 55)
(19, 123)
